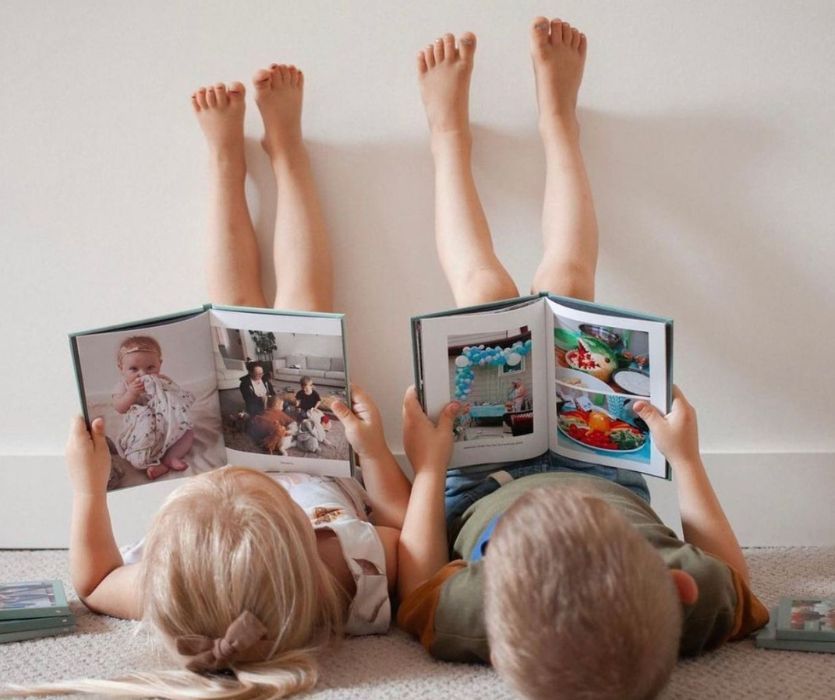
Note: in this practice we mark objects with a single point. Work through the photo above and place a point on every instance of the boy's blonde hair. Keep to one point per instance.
(577, 603)
(226, 542)
(137, 343)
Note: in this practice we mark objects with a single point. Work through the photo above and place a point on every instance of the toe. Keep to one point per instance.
(201, 98)
(539, 31)
(220, 94)
(449, 47)
(195, 104)
(582, 45)
(556, 31)
(211, 98)
(575, 38)
(282, 74)
(300, 79)
(421, 63)
(467, 45)
(236, 91)
(438, 49)
(261, 79)
(566, 33)
(429, 55)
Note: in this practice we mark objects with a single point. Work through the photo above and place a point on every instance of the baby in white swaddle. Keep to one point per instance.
(156, 429)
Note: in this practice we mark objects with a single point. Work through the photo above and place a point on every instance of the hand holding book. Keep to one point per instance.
(88, 458)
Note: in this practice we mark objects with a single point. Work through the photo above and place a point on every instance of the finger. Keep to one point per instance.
(97, 433)
(447, 416)
(679, 397)
(78, 431)
(411, 405)
(649, 413)
(345, 414)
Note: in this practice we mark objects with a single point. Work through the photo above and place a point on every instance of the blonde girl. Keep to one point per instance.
(244, 573)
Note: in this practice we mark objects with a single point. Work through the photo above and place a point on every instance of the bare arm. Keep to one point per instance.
(98, 573)
(703, 520)
(423, 548)
(122, 402)
(387, 486)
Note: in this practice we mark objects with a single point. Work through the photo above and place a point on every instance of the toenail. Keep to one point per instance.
(541, 27)
(439, 41)
(466, 42)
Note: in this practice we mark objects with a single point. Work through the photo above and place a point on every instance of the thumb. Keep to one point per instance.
(649, 413)
(345, 414)
(97, 433)
(447, 417)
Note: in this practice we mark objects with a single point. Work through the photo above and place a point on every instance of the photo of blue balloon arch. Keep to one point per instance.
(473, 356)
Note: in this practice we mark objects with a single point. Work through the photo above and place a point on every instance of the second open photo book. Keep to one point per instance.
(542, 374)
(194, 391)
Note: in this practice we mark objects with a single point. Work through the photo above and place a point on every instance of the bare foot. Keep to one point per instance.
(278, 94)
(155, 471)
(220, 111)
(444, 71)
(559, 55)
(174, 463)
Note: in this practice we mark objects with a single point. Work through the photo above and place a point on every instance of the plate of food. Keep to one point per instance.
(632, 381)
(593, 357)
(576, 379)
(598, 430)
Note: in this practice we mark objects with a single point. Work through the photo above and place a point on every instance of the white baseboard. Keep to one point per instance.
(771, 499)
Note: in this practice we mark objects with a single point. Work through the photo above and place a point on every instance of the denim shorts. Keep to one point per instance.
(466, 486)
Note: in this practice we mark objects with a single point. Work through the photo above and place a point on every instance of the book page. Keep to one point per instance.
(494, 364)
(178, 404)
(278, 375)
(601, 365)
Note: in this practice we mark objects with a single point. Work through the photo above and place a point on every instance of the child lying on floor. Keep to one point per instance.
(556, 571)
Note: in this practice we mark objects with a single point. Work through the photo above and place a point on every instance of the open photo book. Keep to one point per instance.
(193, 391)
(544, 374)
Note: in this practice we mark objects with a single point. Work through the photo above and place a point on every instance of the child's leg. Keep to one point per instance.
(569, 226)
(173, 457)
(303, 269)
(463, 238)
(233, 265)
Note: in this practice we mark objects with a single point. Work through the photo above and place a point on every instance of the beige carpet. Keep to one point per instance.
(396, 667)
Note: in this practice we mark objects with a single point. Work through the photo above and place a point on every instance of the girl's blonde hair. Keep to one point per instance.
(137, 343)
(226, 542)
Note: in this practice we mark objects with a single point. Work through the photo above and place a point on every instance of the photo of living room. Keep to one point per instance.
(276, 390)
(490, 373)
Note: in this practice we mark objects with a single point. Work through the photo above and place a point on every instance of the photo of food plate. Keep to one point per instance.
(632, 381)
(599, 430)
(576, 379)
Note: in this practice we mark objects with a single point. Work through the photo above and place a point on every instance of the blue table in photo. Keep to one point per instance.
(488, 415)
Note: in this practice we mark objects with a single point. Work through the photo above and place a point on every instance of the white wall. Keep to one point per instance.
(706, 126)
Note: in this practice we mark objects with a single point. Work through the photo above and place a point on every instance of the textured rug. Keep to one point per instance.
(395, 667)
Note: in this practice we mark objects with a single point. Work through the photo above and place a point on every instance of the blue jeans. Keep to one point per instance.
(466, 486)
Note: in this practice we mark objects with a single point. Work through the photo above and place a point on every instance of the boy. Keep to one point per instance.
(561, 574)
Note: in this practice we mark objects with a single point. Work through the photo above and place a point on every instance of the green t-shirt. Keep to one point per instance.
(459, 632)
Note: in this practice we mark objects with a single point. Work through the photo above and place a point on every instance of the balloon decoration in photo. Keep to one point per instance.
(480, 356)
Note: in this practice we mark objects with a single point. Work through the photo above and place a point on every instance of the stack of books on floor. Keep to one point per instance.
(801, 624)
(33, 609)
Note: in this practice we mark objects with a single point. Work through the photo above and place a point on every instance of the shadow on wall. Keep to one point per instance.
(674, 197)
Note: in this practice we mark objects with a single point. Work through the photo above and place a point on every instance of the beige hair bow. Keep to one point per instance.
(244, 642)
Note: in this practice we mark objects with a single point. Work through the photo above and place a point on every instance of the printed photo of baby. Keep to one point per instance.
(156, 389)
(156, 432)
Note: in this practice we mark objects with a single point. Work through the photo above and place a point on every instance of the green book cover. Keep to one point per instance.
(806, 619)
(33, 599)
(35, 634)
(767, 639)
(544, 375)
(36, 623)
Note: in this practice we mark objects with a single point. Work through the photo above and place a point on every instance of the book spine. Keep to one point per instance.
(35, 624)
(35, 634)
(24, 614)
